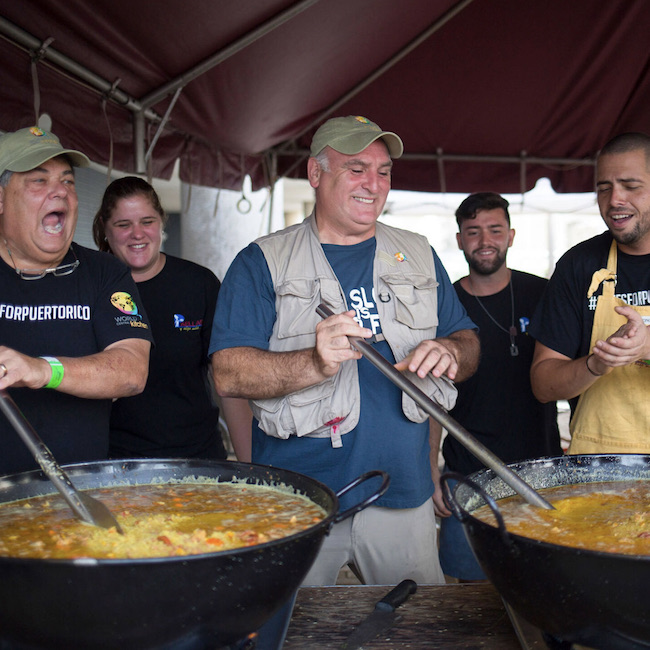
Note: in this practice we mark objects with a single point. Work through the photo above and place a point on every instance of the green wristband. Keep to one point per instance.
(57, 372)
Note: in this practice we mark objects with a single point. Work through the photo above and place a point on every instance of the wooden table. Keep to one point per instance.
(442, 616)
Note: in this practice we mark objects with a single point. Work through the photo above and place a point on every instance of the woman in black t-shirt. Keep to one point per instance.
(176, 416)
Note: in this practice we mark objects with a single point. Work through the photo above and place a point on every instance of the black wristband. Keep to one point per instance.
(595, 374)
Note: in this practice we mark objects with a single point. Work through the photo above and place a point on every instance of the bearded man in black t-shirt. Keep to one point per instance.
(496, 404)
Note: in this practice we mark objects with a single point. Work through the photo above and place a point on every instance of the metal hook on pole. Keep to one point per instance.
(243, 205)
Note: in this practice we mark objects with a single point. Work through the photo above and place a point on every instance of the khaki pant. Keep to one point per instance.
(385, 545)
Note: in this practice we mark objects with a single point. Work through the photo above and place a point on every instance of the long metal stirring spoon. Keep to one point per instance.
(83, 505)
(440, 415)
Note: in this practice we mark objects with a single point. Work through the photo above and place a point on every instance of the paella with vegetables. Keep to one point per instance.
(158, 520)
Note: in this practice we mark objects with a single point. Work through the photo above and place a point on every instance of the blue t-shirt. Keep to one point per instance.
(383, 438)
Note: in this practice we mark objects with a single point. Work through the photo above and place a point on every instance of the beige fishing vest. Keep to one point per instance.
(406, 292)
(613, 414)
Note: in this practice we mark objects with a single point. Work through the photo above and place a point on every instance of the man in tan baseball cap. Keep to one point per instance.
(32, 160)
(27, 148)
(320, 409)
(66, 350)
(352, 134)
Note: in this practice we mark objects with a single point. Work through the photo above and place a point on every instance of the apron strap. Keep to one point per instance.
(607, 275)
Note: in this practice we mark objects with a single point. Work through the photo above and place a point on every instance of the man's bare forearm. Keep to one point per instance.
(120, 370)
(238, 417)
(259, 374)
(554, 378)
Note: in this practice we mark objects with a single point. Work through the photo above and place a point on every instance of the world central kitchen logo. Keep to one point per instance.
(181, 323)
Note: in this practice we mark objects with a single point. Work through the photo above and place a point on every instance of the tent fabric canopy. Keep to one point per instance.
(486, 94)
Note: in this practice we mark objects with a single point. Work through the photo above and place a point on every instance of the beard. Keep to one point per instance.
(483, 266)
(640, 230)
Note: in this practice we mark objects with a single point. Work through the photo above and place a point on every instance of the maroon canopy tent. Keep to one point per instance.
(486, 94)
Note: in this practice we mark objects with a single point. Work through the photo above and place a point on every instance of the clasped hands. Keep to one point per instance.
(627, 345)
(333, 348)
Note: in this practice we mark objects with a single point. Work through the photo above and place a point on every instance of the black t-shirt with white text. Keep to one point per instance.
(73, 315)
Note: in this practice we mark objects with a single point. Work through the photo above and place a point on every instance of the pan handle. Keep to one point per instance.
(461, 514)
(362, 505)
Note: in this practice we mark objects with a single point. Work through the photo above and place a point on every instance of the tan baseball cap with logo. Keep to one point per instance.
(26, 149)
(352, 134)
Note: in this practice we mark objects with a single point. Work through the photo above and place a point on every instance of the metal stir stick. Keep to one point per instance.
(83, 505)
(440, 415)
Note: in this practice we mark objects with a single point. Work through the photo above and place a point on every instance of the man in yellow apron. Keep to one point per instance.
(592, 326)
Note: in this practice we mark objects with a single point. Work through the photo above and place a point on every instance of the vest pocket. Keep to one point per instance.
(416, 304)
(312, 407)
(296, 308)
(297, 300)
(304, 412)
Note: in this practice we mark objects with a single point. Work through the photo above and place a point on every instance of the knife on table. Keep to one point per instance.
(382, 618)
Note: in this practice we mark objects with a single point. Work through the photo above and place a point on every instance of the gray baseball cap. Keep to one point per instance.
(26, 149)
(352, 134)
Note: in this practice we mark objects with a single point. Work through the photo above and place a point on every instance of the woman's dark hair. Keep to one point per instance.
(122, 188)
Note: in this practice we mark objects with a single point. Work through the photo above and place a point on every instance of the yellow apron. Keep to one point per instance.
(613, 415)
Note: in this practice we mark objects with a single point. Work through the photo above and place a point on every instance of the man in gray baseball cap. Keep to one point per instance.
(320, 409)
(67, 349)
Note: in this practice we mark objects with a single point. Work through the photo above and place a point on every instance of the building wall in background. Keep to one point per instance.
(90, 185)
(217, 224)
